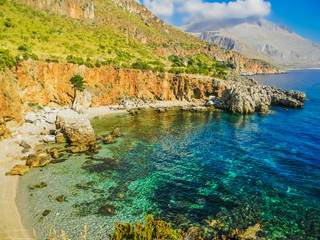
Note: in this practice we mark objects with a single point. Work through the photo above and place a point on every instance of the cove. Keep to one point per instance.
(186, 168)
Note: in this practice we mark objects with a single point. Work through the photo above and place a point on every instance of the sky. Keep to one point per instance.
(303, 17)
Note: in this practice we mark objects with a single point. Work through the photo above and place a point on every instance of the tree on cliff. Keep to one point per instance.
(78, 84)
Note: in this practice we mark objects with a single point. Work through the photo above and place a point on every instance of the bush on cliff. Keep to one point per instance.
(6, 59)
(150, 230)
(78, 84)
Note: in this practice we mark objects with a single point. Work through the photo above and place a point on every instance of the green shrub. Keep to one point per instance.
(75, 60)
(8, 23)
(2, 2)
(6, 59)
(177, 70)
(141, 65)
(78, 82)
(23, 48)
(176, 61)
(150, 230)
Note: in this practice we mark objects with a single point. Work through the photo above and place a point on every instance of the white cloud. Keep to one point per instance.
(160, 7)
(200, 10)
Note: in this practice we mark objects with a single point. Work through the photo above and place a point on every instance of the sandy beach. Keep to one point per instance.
(12, 227)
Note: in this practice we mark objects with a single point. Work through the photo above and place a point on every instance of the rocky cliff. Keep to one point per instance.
(36, 83)
(79, 9)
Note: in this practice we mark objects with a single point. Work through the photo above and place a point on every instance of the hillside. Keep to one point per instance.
(111, 32)
(256, 37)
(43, 43)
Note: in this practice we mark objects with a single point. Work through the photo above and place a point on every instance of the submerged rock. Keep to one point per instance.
(38, 186)
(19, 169)
(61, 198)
(107, 210)
(85, 186)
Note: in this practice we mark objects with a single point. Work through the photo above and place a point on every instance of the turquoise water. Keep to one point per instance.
(190, 167)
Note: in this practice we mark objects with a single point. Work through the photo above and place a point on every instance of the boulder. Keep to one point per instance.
(116, 132)
(109, 139)
(81, 148)
(76, 127)
(19, 169)
(34, 161)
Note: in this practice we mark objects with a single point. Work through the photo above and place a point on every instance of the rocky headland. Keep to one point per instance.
(245, 95)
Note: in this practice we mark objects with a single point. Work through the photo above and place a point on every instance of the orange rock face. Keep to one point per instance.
(48, 84)
(79, 9)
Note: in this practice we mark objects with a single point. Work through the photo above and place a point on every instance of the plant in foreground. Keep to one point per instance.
(150, 230)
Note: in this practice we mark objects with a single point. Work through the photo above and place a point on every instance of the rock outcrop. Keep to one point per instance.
(79, 9)
(78, 131)
(247, 96)
(19, 169)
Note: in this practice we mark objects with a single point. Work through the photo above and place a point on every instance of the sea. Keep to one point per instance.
(190, 169)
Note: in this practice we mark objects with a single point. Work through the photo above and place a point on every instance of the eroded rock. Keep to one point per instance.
(109, 139)
(247, 96)
(77, 131)
(34, 161)
(19, 169)
(116, 132)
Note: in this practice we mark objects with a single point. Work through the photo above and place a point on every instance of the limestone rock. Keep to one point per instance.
(76, 127)
(19, 169)
(34, 161)
(109, 139)
(61, 138)
(31, 117)
(116, 132)
(49, 139)
(247, 96)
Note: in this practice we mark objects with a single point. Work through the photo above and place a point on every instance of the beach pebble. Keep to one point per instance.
(1, 162)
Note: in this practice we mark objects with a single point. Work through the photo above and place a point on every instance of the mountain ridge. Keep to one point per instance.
(274, 41)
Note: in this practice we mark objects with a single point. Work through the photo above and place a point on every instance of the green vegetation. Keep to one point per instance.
(78, 84)
(6, 59)
(200, 64)
(115, 38)
(150, 230)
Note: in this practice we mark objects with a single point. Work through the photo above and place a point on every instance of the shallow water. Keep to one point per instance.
(190, 167)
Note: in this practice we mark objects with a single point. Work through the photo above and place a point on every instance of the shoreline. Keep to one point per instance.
(12, 227)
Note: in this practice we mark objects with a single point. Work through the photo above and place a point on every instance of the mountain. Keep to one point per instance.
(259, 38)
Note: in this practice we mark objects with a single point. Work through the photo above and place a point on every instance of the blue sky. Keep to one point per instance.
(303, 17)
